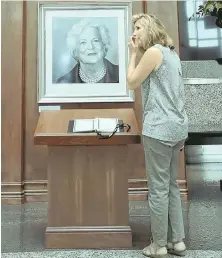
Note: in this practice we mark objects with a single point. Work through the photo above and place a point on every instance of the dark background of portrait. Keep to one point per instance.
(62, 62)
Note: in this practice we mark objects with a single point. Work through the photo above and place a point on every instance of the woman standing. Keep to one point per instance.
(165, 128)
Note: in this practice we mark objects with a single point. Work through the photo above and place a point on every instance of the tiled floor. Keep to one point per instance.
(23, 226)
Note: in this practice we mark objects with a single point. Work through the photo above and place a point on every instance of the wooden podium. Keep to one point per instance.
(87, 181)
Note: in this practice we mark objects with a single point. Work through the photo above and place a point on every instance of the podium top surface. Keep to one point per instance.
(52, 127)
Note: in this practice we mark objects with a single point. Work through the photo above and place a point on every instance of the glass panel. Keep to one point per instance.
(192, 33)
(208, 43)
(193, 43)
(200, 38)
(205, 33)
(190, 8)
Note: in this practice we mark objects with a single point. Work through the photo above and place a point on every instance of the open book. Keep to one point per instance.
(102, 125)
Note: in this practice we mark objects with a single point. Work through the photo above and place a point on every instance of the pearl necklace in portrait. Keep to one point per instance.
(95, 79)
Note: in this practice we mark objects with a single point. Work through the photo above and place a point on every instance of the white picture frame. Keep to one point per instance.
(55, 60)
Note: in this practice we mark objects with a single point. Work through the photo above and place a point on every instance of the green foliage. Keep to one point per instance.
(211, 8)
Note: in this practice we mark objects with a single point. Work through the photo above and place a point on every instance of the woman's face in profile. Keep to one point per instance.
(90, 49)
(138, 33)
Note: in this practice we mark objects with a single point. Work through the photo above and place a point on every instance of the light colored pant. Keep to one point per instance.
(162, 165)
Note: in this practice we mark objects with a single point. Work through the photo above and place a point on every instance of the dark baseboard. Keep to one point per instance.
(206, 138)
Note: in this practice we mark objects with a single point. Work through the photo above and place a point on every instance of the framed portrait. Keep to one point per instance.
(83, 52)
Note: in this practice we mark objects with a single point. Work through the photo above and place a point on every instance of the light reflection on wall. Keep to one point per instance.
(198, 34)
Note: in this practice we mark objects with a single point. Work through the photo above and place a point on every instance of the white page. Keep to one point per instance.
(107, 124)
(83, 125)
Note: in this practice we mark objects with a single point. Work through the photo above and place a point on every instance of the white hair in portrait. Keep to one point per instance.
(75, 31)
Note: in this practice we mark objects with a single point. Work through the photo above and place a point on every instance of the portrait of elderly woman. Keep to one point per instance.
(88, 44)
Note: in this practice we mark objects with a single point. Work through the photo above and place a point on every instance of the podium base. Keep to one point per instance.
(88, 197)
(88, 237)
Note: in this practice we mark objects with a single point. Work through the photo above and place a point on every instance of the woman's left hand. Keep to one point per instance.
(133, 45)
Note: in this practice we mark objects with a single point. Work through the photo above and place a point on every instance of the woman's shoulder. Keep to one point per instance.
(163, 49)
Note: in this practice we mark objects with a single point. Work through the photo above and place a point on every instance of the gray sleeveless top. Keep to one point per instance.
(163, 99)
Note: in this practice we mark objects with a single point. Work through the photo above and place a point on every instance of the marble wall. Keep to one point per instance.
(202, 69)
(203, 89)
(204, 107)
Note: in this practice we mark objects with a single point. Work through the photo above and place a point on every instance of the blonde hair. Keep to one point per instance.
(154, 29)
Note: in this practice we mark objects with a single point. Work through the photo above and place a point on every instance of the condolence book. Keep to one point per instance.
(101, 125)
